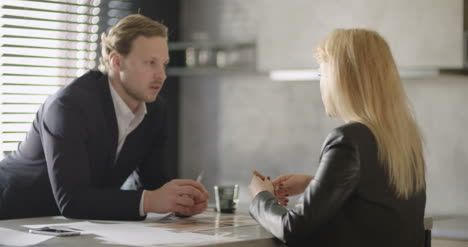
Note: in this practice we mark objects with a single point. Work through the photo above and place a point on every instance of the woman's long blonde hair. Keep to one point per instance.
(364, 86)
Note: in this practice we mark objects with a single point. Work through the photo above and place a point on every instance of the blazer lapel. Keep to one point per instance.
(111, 119)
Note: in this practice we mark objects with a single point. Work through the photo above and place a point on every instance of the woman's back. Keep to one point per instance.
(373, 215)
(349, 202)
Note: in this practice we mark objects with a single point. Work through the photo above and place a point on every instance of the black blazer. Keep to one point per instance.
(67, 163)
(348, 203)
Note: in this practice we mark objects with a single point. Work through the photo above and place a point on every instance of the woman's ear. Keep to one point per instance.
(115, 61)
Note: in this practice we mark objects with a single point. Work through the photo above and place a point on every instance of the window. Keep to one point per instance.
(43, 46)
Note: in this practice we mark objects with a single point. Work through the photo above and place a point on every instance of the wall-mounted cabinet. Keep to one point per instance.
(422, 34)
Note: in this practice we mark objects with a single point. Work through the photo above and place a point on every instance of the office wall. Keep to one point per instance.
(416, 30)
(466, 15)
(232, 123)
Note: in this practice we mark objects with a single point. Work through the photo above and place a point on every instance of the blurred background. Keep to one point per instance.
(243, 87)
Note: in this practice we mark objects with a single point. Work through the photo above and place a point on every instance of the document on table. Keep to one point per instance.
(141, 235)
(138, 234)
(10, 237)
(150, 218)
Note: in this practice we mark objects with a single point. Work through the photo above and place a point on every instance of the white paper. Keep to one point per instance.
(154, 217)
(161, 229)
(138, 234)
(17, 238)
(150, 218)
(141, 235)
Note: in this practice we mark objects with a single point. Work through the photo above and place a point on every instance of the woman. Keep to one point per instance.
(369, 189)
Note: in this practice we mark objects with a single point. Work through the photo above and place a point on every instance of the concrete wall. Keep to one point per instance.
(232, 123)
(416, 30)
(466, 15)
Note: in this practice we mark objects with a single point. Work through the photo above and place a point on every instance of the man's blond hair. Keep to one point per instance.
(122, 35)
(364, 86)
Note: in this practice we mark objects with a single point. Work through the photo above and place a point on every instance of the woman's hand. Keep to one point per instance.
(258, 185)
(290, 185)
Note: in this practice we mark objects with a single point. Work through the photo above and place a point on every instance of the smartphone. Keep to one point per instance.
(54, 232)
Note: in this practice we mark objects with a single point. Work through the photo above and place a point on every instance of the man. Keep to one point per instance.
(92, 134)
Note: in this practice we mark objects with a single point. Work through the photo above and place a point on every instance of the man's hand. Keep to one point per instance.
(183, 196)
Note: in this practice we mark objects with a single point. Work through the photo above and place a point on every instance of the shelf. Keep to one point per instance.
(213, 71)
(212, 57)
(211, 45)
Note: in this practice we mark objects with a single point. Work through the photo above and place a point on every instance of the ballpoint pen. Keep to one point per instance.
(258, 174)
(200, 177)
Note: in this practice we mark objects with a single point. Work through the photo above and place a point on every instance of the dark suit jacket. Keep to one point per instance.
(67, 163)
(348, 203)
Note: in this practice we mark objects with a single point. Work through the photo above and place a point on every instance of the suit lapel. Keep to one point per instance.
(111, 119)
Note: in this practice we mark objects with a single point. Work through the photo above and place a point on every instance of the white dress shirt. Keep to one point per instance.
(127, 121)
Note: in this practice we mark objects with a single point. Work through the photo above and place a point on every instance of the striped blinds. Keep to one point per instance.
(43, 46)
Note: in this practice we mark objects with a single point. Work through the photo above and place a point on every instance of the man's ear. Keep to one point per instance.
(115, 61)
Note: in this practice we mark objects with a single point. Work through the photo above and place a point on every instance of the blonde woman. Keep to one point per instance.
(369, 189)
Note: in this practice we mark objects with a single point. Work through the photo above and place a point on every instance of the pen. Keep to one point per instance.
(200, 177)
(262, 177)
(257, 174)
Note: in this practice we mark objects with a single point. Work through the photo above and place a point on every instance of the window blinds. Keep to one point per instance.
(43, 46)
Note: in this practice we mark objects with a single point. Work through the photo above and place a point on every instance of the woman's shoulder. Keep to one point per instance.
(352, 128)
(353, 132)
